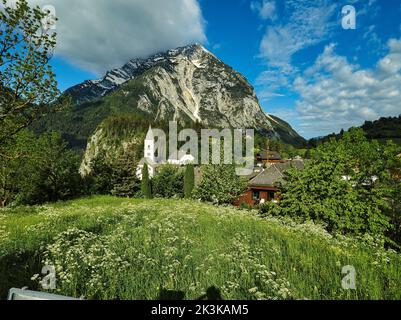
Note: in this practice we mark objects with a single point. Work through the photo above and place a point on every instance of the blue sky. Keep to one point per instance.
(304, 66)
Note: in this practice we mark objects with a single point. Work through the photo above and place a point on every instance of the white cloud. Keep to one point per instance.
(306, 24)
(336, 94)
(302, 24)
(266, 9)
(372, 39)
(98, 35)
(270, 83)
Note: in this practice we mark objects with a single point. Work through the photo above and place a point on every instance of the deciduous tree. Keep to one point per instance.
(28, 88)
(219, 184)
(344, 186)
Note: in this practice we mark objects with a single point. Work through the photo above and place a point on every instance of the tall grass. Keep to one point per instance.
(109, 248)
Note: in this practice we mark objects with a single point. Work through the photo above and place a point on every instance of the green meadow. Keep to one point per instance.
(113, 248)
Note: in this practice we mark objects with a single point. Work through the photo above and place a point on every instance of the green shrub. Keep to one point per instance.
(270, 208)
(101, 176)
(168, 182)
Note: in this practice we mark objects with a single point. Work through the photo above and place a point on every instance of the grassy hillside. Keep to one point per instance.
(109, 248)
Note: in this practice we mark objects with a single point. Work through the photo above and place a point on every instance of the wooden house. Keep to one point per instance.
(265, 186)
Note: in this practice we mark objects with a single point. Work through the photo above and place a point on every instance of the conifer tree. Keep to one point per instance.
(189, 181)
(145, 185)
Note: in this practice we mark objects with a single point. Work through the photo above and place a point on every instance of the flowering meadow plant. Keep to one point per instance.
(111, 248)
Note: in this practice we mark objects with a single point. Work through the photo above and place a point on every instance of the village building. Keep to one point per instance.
(152, 167)
(184, 159)
(152, 160)
(265, 186)
(266, 157)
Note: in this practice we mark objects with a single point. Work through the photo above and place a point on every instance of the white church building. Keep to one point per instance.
(151, 160)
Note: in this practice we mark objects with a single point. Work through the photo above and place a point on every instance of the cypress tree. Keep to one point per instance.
(145, 185)
(189, 180)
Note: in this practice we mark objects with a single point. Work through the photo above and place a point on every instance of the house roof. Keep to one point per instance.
(275, 174)
(269, 155)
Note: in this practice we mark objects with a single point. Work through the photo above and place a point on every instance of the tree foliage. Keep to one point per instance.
(101, 176)
(28, 88)
(168, 182)
(145, 184)
(383, 129)
(114, 176)
(189, 180)
(219, 184)
(42, 169)
(346, 186)
(125, 181)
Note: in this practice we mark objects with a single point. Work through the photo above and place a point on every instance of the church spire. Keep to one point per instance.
(149, 135)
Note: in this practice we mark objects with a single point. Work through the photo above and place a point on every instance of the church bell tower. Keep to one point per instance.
(150, 145)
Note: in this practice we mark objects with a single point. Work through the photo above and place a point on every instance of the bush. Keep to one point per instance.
(168, 182)
(270, 208)
(245, 206)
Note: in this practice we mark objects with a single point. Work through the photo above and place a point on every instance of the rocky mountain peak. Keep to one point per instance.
(187, 84)
(92, 89)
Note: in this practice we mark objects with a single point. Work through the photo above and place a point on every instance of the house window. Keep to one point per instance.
(271, 195)
(256, 195)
